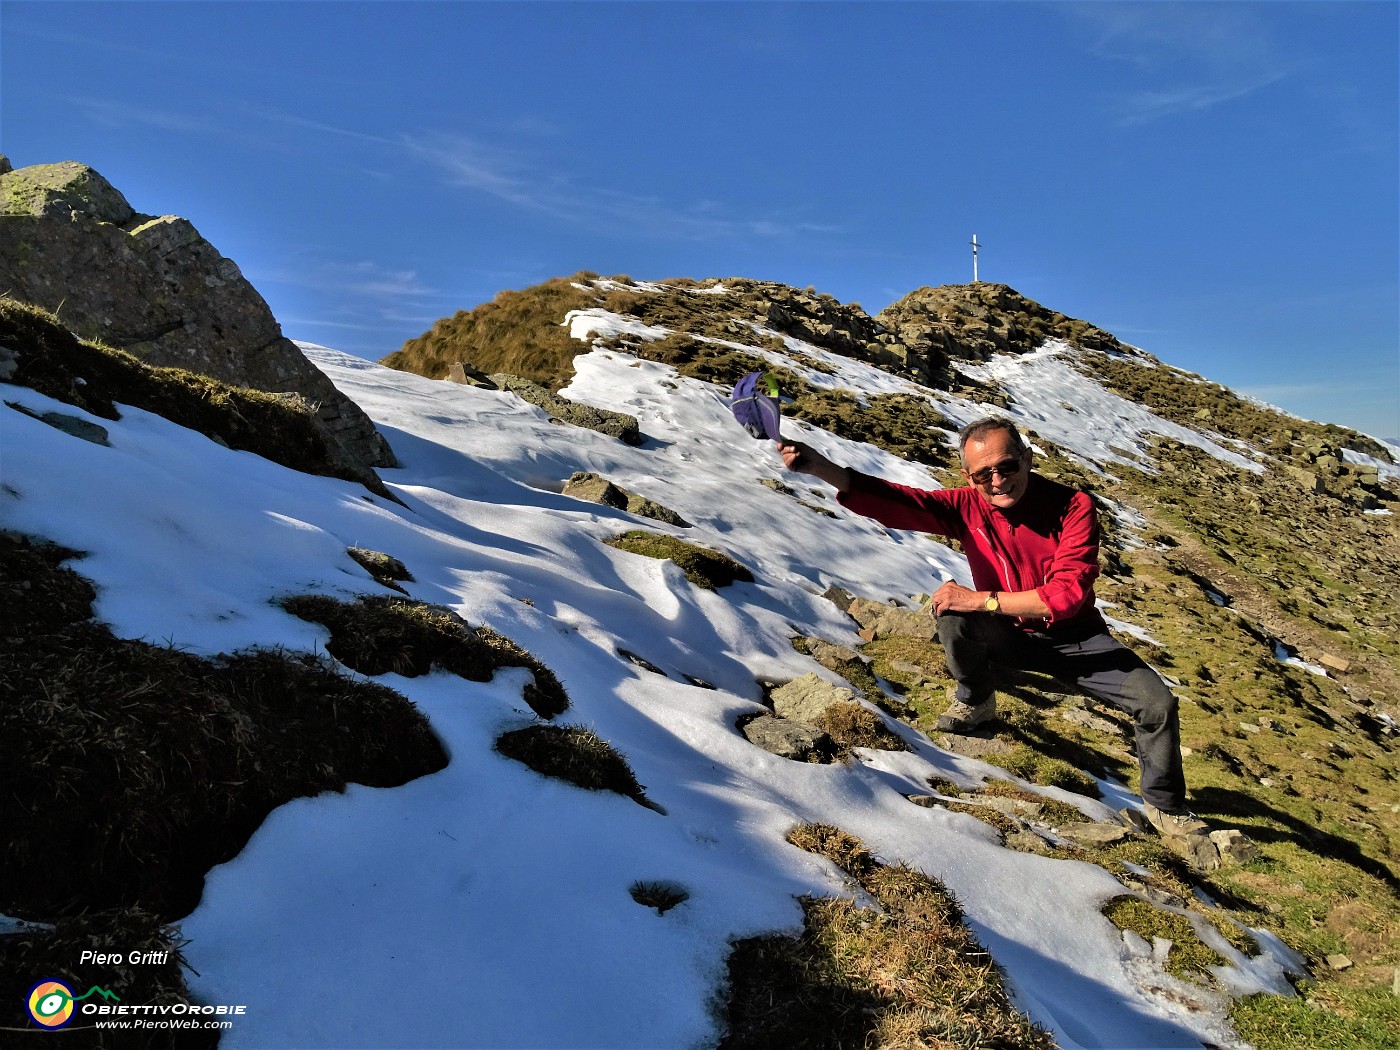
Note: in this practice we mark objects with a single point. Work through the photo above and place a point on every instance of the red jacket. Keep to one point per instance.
(1048, 542)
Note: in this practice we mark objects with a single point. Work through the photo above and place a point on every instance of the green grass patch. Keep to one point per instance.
(904, 425)
(1189, 958)
(1338, 1019)
(702, 567)
(1032, 765)
(943, 786)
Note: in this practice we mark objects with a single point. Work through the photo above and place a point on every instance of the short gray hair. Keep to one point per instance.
(979, 428)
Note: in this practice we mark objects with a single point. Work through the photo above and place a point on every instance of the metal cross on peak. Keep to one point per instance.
(975, 246)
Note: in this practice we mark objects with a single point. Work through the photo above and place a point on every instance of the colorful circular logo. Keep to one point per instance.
(51, 1004)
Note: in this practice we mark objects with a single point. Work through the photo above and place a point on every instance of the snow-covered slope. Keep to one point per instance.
(485, 905)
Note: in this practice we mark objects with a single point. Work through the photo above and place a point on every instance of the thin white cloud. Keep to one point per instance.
(361, 279)
(121, 114)
(520, 179)
(1196, 56)
(307, 322)
(1144, 107)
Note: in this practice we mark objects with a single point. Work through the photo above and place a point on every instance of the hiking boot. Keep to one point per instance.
(1185, 834)
(1175, 825)
(961, 716)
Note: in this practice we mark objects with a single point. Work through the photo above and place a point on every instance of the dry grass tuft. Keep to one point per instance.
(131, 769)
(35, 954)
(383, 635)
(663, 896)
(908, 975)
(845, 851)
(850, 726)
(576, 754)
(384, 568)
(518, 332)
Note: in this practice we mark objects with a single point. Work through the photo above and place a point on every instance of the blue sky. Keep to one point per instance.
(1214, 182)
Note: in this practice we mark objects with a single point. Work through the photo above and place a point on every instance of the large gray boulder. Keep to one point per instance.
(152, 286)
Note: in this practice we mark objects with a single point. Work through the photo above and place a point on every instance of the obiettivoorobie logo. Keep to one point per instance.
(51, 1002)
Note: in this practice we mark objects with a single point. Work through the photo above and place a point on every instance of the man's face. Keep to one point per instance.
(996, 453)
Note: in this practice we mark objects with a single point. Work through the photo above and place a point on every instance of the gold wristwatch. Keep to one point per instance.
(991, 604)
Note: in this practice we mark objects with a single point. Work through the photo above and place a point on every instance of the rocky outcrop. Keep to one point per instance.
(595, 488)
(971, 322)
(152, 286)
(614, 424)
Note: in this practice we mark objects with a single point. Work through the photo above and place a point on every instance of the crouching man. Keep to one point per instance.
(1032, 546)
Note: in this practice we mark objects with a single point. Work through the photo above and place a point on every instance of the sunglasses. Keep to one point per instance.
(1006, 468)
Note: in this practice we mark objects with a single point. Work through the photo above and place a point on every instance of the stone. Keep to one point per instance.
(341, 462)
(1094, 833)
(9, 364)
(805, 699)
(832, 656)
(152, 286)
(1307, 480)
(1334, 663)
(1339, 962)
(884, 620)
(974, 746)
(786, 739)
(383, 567)
(913, 670)
(1090, 720)
(839, 597)
(1010, 807)
(595, 488)
(777, 486)
(465, 374)
(647, 508)
(1234, 846)
(69, 424)
(1197, 850)
(1027, 841)
(641, 661)
(614, 424)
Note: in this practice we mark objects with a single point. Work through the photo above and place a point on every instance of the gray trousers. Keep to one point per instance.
(975, 644)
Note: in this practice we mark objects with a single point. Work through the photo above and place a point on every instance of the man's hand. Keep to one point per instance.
(806, 460)
(954, 597)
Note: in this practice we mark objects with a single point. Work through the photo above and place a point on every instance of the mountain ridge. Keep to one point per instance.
(1249, 556)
